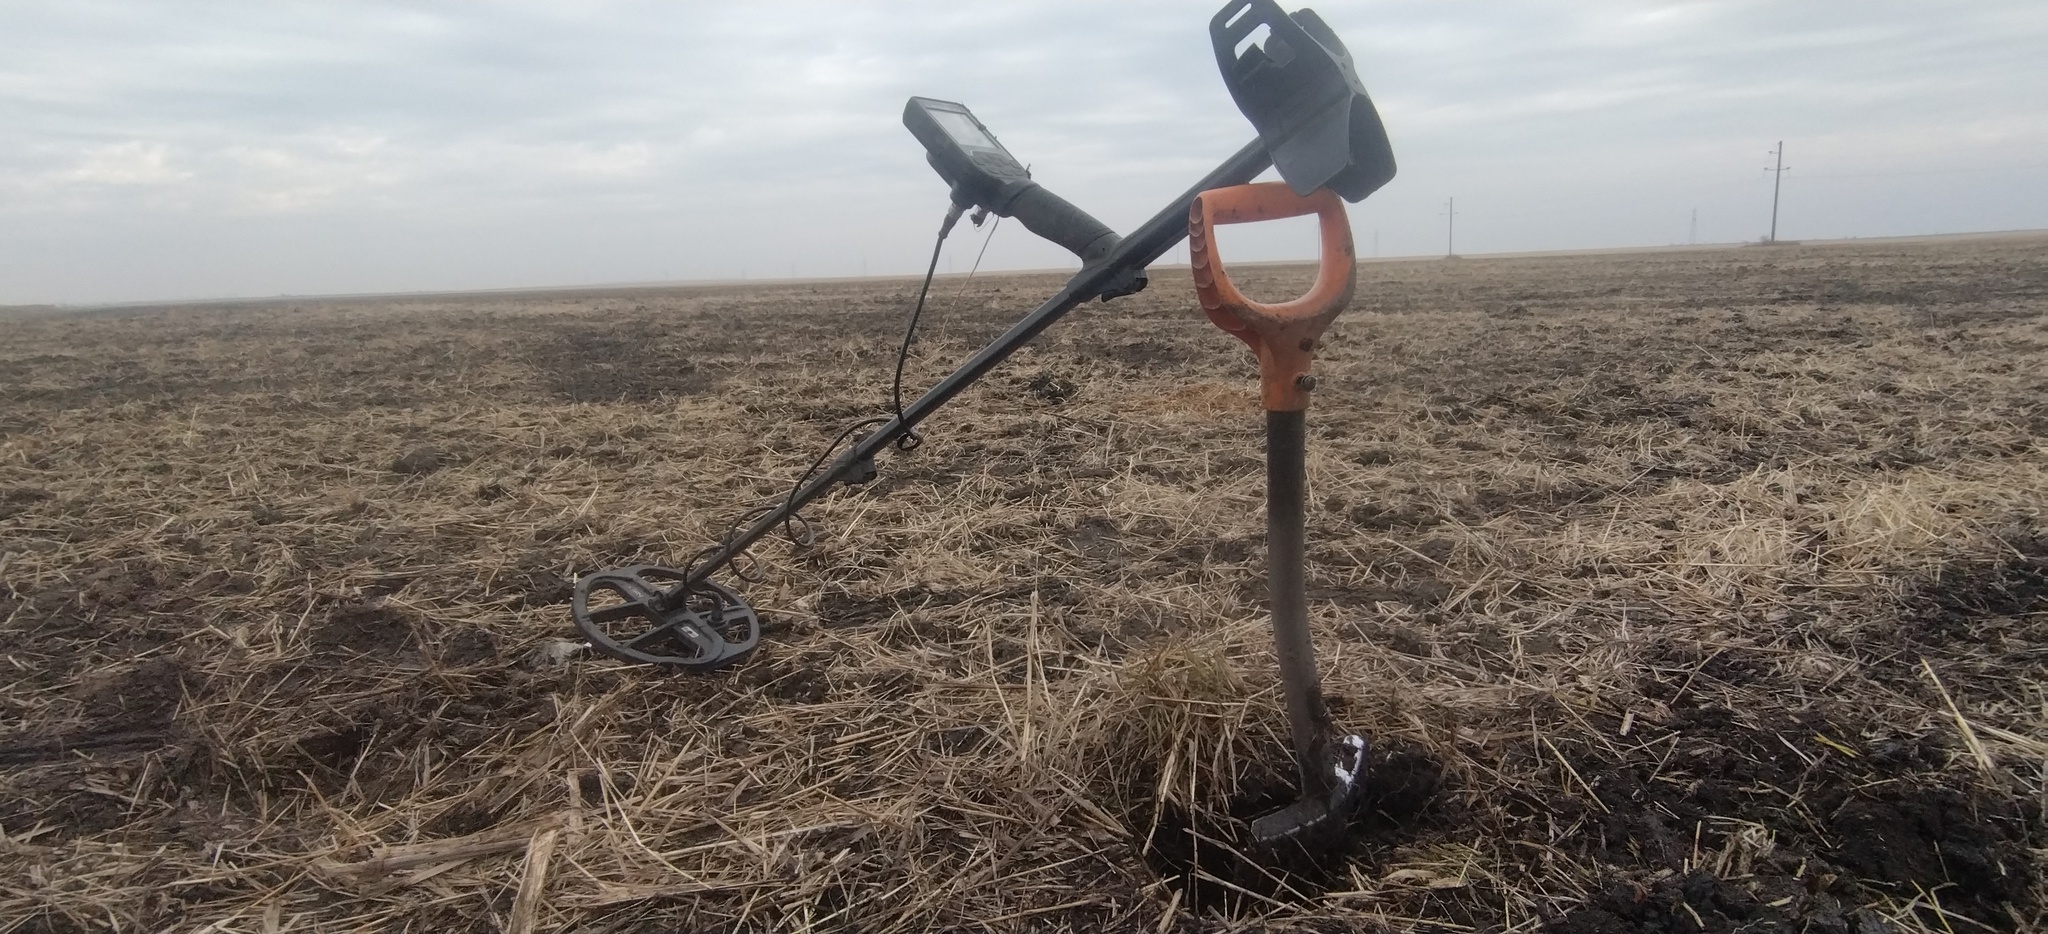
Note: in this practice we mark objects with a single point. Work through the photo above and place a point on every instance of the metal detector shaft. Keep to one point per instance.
(1133, 253)
(1286, 482)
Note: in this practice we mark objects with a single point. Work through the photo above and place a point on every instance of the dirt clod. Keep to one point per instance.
(469, 647)
(1703, 902)
(421, 460)
(366, 628)
(143, 697)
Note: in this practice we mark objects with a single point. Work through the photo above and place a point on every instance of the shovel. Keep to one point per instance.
(1284, 338)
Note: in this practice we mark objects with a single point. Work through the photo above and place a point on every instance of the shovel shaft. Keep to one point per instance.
(1286, 487)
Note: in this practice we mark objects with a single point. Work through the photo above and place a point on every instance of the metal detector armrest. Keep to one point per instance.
(1300, 88)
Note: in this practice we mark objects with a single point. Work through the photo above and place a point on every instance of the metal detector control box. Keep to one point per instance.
(984, 175)
(966, 154)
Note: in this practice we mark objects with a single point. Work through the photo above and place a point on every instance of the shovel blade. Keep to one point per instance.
(1322, 817)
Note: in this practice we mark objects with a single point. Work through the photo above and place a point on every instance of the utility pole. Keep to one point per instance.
(1777, 181)
(1450, 228)
(1692, 235)
(1375, 244)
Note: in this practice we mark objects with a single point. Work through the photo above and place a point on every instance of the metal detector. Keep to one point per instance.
(1293, 79)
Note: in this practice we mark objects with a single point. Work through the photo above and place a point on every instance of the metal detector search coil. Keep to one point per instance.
(700, 628)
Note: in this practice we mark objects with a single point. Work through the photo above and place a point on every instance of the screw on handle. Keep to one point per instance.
(1284, 334)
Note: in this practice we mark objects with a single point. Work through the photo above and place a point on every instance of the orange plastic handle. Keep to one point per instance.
(1283, 335)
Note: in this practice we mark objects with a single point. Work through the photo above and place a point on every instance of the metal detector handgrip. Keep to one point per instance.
(1283, 335)
(1057, 219)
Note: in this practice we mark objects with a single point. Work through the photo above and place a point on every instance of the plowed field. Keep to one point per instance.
(1677, 591)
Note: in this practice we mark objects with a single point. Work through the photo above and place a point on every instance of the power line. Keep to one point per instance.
(1777, 181)
(1992, 168)
(1450, 227)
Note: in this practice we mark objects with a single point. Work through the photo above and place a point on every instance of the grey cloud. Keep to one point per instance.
(159, 150)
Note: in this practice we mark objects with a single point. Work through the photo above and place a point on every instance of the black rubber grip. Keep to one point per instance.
(1052, 217)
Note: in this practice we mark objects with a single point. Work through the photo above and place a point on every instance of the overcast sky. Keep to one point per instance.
(158, 150)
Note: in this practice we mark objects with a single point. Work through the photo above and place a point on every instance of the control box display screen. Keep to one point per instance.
(962, 129)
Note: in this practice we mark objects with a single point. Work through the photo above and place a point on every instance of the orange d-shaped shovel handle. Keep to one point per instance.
(1283, 335)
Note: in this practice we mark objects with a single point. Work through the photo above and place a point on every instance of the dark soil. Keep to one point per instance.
(468, 647)
(1702, 902)
(1982, 601)
(1749, 815)
(1215, 862)
(142, 698)
(421, 460)
(634, 360)
(366, 628)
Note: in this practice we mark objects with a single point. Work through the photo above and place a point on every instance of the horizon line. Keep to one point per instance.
(1042, 270)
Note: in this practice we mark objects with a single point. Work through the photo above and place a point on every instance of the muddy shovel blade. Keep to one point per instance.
(1320, 820)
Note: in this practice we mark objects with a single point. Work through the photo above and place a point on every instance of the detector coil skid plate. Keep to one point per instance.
(651, 614)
